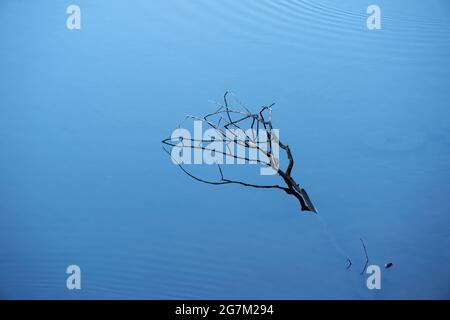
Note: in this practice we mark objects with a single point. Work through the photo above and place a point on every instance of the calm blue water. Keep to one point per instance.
(83, 178)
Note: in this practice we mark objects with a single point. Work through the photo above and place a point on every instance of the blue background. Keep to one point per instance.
(83, 179)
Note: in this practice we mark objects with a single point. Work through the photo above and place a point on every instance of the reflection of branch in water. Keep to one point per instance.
(367, 256)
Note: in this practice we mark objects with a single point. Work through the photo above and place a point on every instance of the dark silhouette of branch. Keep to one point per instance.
(349, 263)
(223, 121)
(223, 180)
(367, 256)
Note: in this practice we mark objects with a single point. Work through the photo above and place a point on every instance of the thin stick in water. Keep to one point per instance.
(367, 256)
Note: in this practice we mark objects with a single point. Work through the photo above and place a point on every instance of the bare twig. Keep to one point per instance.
(349, 263)
(222, 180)
(367, 256)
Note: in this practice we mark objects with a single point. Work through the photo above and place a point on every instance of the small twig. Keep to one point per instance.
(367, 256)
(349, 263)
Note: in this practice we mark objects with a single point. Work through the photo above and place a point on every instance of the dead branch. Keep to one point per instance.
(226, 118)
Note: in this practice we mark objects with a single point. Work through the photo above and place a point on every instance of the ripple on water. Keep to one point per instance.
(311, 23)
(394, 140)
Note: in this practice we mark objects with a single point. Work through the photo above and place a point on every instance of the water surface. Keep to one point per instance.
(83, 179)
